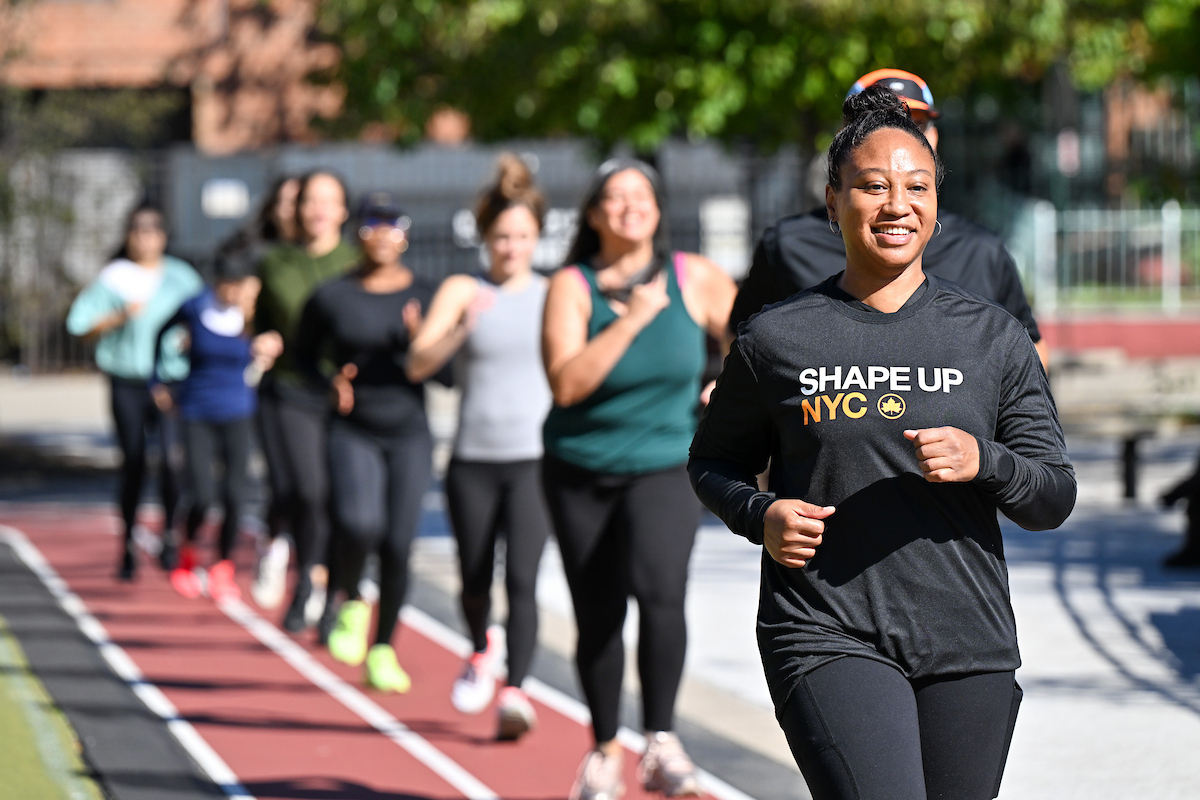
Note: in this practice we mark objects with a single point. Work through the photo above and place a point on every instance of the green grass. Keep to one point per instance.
(39, 753)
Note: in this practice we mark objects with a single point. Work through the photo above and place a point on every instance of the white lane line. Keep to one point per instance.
(564, 704)
(365, 708)
(120, 662)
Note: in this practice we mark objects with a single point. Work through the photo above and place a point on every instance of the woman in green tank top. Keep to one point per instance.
(623, 344)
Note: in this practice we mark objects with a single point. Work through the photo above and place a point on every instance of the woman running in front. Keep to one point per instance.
(380, 449)
(123, 309)
(624, 348)
(494, 322)
(899, 413)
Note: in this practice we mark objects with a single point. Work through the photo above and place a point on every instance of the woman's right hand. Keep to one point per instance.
(792, 530)
(647, 300)
(343, 389)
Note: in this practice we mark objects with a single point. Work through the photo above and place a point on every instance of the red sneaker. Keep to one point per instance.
(221, 586)
(184, 578)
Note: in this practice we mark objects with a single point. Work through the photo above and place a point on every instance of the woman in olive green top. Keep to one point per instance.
(294, 414)
(623, 344)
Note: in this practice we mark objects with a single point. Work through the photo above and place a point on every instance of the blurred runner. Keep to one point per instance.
(294, 414)
(124, 308)
(494, 323)
(801, 251)
(275, 224)
(216, 402)
(380, 448)
(624, 349)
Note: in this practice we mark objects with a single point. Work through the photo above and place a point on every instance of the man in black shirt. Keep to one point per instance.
(802, 250)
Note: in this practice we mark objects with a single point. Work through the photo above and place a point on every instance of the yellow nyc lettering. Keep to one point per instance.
(813, 408)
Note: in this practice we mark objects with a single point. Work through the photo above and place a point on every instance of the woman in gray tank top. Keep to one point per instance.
(493, 322)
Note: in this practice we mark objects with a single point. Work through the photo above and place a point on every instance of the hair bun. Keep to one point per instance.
(875, 99)
(514, 176)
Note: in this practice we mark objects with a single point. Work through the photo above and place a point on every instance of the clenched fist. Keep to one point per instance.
(792, 530)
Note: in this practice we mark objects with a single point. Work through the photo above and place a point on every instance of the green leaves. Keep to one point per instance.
(766, 71)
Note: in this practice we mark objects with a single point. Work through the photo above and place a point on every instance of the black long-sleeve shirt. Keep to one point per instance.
(800, 251)
(354, 326)
(909, 572)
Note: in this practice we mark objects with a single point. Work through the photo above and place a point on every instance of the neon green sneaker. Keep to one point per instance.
(348, 639)
(383, 671)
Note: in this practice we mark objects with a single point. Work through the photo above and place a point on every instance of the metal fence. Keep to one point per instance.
(717, 203)
(1145, 260)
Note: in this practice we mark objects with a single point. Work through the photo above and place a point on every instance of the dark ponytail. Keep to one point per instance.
(864, 113)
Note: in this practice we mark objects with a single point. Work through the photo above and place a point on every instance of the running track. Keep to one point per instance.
(266, 715)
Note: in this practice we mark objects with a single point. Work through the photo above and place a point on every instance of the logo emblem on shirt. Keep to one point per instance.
(891, 406)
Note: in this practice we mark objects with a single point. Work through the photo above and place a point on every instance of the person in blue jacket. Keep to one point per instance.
(123, 310)
(217, 402)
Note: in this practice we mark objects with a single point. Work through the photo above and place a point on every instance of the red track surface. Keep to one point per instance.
(280, 734)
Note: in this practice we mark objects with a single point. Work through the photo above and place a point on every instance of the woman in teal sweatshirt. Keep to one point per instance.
(123, 309)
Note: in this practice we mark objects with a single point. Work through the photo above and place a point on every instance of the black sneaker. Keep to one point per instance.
(127, 568)
(168, 556)
(293, 620)
(328, 619)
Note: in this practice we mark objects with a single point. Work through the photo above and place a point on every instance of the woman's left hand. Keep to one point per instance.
(945, 455)
(413, 317)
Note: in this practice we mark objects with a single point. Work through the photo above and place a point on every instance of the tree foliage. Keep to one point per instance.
(766, 71)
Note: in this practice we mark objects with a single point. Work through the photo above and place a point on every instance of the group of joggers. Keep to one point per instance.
(865, 431)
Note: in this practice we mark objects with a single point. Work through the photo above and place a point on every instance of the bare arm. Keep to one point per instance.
(575, 366)
(444, 330)
(708, 294)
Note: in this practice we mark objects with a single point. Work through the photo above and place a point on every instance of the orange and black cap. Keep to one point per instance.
(910, 88)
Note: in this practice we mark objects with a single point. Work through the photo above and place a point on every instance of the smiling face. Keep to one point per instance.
(887, 203)
(627, 210)
(511, 240)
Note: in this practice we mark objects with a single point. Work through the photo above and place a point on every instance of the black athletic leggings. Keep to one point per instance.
(134, 413)
(206, 443)
(485, 498)
(860, 730)
(294, 443)
(623, 535)
(378, 485)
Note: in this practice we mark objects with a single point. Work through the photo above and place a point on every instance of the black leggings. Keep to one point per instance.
(134, 413)
(379, 483)
(294, 439)
(205, 444)
(485, 498)
(860, 730)
(623, 535)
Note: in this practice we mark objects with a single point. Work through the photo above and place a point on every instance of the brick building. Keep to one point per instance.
(244, 62)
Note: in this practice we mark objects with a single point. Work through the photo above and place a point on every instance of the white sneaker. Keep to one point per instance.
(666, 768)
(599, 778)
(475, 686)
(315, 606)
(271, 581)
(516, 713)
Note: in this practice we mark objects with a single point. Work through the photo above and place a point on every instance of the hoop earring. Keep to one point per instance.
(404, 245)
(938, 229)
(835, 231)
